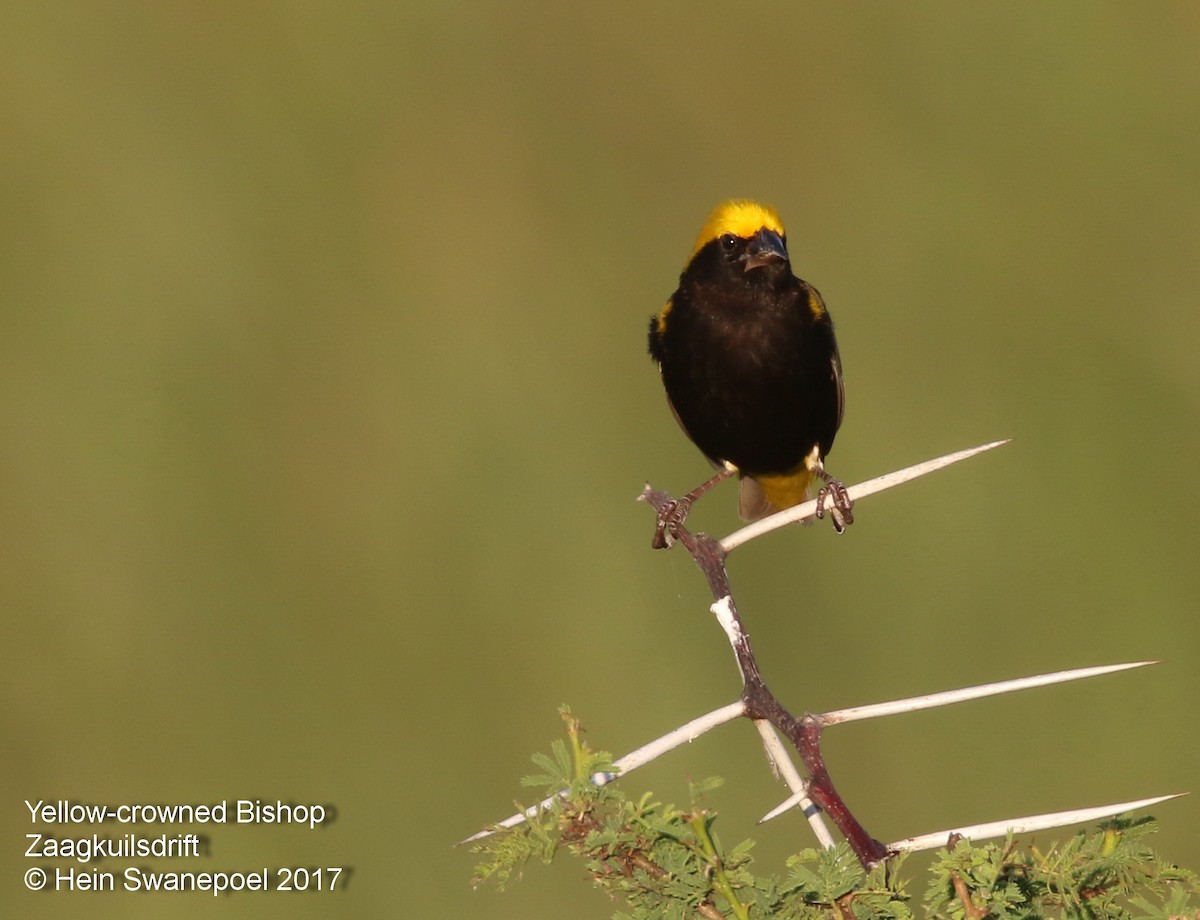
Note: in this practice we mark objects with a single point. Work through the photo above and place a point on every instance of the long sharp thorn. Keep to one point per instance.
(790, 802)
(946, 697)
(685, 734)
(1024, 825)
(809, 509)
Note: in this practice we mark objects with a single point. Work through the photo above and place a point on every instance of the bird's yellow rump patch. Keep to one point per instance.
(788, 490)
(791, 489)
(742, 218)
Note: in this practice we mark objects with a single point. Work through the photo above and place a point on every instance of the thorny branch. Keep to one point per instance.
(760, 703)
(816, 793)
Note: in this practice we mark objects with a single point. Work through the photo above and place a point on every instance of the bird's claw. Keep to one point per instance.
(670, 517)
(840, 504)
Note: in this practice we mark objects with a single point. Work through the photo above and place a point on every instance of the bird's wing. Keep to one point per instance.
(836, 363)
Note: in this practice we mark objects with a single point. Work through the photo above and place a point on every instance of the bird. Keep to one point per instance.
(751, 367)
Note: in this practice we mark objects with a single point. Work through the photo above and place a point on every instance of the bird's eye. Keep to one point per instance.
(728, 242)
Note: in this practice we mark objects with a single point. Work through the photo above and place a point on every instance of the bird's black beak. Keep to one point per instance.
(765, 248)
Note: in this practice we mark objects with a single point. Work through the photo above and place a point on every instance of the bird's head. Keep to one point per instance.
(746, 235)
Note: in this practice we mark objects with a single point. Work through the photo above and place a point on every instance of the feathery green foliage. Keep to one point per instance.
(1111, 872)
(667, 863)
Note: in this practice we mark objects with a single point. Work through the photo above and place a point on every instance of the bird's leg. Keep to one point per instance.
(675, 512)
(840, 508)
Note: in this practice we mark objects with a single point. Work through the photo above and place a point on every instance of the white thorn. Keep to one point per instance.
(809, 508)
(782, 761)
(790, 802)
(1023, 825)
(946, 697)
(685, 734)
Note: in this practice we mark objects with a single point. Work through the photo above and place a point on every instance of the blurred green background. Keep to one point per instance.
(325, 401)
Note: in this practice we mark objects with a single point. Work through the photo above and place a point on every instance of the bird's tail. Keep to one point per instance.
(764, 495)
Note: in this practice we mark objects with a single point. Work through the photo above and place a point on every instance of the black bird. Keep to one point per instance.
(751, 366)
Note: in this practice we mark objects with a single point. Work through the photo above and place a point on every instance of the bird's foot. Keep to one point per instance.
(670, 518)
(673, 512)
(840, 503)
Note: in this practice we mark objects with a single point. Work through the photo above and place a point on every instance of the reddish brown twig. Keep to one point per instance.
(804, 733)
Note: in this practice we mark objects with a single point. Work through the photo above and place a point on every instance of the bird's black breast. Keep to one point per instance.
(751, 373)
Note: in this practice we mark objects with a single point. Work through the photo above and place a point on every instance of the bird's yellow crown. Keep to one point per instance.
(742, 218)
